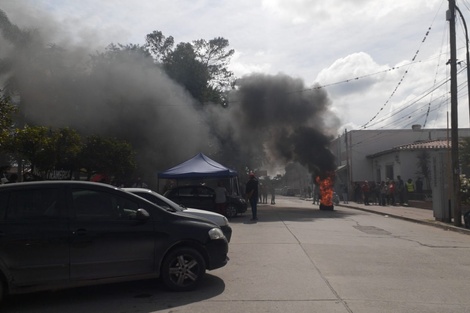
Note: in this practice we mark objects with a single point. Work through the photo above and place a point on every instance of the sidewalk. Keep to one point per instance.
(418, 215)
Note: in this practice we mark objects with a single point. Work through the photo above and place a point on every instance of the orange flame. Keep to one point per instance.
(326, 189)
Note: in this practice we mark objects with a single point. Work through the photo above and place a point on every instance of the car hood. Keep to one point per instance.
(211, 216)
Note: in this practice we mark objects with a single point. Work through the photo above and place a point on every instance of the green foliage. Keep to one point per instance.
(464, 190)
(63, 149)
(158, 45)
(7, 109)
(32, 143)
(107, 156)
(201, 66)
(45, 149)
(214, 55)
(181, 65)
(464, 154)
(67, 146)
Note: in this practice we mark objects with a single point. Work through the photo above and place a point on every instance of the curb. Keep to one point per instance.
(437, 224)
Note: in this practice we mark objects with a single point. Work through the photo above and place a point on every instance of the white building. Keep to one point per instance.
(378, 155)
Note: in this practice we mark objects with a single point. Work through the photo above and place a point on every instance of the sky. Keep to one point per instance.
(382, 64)
(330, 43)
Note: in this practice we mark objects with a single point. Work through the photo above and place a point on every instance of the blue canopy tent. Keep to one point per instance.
(201, 167)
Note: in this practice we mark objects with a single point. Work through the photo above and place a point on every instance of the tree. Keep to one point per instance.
(183, 67)
(214, 55)
(67, 146)
(159, 46)
(33, 144)
(464, 155)
(200, 66)
(111, 157)
(7, 109)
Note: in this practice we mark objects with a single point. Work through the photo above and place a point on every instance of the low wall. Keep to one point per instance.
(422, 204)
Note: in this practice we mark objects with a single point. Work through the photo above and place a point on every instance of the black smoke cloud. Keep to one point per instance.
(274, 119)
(290, 122)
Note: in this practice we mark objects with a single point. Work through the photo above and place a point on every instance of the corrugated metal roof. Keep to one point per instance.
(418, 145)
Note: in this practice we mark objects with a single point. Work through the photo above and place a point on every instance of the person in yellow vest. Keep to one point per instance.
(410, 189)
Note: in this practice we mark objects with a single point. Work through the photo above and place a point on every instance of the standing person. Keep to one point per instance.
(410, 189)
(316, 196)
(391, 192)
(365, 192)
(345, 192)
(265, 194)
(251, 192)
(419, 188)
(273, 194)
(400, 186)
(260, 194)
(221, 198)
(357, 192)
(383, 193)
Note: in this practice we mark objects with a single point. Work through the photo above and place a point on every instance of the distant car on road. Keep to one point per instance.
(164, 202)
(203, 197)
(63, 234)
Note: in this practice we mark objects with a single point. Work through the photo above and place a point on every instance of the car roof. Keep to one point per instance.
(56, 183)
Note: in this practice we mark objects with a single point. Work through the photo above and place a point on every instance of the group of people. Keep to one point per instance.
(388, 192)
(263, 193)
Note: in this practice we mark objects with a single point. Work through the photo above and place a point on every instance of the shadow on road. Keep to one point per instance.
(138, 296)
(274, 213)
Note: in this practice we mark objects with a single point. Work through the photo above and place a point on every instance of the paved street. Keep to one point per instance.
(300, 259)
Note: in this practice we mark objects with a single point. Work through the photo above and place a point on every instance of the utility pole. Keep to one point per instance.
(455, 203)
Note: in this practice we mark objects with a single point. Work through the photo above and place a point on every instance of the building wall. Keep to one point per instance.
(363, 143)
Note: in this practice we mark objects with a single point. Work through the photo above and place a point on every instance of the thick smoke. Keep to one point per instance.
(271, 120)
(279, 117)
(122, 95)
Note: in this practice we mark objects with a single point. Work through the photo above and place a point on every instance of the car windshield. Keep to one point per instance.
(161, 201)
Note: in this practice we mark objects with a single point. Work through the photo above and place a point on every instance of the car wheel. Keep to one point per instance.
(231, 211)
(182, 269)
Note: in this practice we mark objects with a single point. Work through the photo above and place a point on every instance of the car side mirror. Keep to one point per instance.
(142, 215)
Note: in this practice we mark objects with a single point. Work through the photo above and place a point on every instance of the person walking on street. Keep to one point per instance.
(251, 193)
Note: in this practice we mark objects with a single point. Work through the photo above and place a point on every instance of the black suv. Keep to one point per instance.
(72, 233)
(203, 197)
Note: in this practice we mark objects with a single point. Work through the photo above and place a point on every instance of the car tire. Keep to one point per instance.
(231, 211)
(182, 269)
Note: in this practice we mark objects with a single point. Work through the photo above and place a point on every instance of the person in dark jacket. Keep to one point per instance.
(251, 193)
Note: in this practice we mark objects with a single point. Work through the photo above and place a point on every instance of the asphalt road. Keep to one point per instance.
(299, 259)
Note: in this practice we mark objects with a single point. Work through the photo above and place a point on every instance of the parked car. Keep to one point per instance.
(164, 202)
(203, 197)
(62, 234)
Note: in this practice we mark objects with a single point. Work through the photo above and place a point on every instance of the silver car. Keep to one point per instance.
(164, 202)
